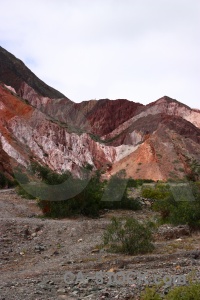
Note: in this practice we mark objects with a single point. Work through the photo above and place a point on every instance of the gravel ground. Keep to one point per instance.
(37, 255)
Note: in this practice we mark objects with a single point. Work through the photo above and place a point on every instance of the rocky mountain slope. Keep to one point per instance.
(158, 141)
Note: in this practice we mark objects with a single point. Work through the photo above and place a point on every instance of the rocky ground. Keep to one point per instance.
(37, 255)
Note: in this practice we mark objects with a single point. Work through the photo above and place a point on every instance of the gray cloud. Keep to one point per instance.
(139, 49)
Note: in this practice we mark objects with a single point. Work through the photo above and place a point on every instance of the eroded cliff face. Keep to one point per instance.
(164, 154)
(105, 115)
(27, 133)
(163, 107)
(156, 141)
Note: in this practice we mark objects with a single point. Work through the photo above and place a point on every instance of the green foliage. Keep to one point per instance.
(124, 203)
(180, 206)
(184, 292)
(161, 191)
(132, 183)
(164, 206)
(115, 194)
(2, 180)
(137, 182)
(150, 294)
(5, 182)
(23, 193)
(47, 175)
(186, 213)
(87, 202)
(189, 292)
(128, 236)
(21, 177)
(194, 174)
(39, 173)
(195, 168)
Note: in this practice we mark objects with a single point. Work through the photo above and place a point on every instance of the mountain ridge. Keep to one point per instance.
(41, 124)
(10, 65)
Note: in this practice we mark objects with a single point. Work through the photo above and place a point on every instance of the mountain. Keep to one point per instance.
(13, 72)
(157, 141)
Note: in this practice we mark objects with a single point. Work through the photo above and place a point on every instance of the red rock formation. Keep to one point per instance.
(105, 115)
(26, 132)
(155, 141)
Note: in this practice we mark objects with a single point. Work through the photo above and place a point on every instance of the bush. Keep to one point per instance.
(137, 182)
(47, 175)
(160, 191)
(181, 207)
(150, 294)
(39, 173)
(87, 202)
(128, 236)
(5, 182)
(115, 194)
(184, 292)
(124, 203)
(23, 193)
(165, 207)
(190, 292)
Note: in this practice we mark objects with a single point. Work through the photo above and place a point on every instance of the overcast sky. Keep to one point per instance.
(140, 50)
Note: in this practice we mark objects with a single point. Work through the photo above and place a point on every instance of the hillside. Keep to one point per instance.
(37, 123)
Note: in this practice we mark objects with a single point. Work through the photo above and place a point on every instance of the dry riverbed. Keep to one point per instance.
(37, 253)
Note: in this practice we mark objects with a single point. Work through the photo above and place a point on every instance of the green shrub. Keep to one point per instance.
(87, 202)
(181, 206)
(23, 193)
(150, 294)
(128, 236)
(160, 191)
(21, 176)
(95, 195)
(137, 182)
(41, 174)
(116, 195)
(186, 212)
(165, 207)
(47, 175)
(195, 170)
(5, 182)
(189, 292)
(129, 204)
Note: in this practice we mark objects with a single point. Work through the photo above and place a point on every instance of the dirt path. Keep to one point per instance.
(36, 253)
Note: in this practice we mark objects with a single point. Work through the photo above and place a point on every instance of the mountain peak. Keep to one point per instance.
(168, 100)
(14, 73)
